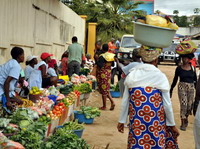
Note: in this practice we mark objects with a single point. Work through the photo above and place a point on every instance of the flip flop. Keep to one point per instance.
(112, 107)
(102, 108)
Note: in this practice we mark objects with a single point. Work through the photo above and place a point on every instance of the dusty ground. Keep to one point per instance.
(104, 130)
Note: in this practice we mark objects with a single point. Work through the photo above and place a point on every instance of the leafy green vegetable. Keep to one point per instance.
(24, 114)
(29, 139)
(73, 126)
(89, 112)
(63, 139)
(115, 88)
(4, 122)
(83, 88)
(66, 89)
(24, 123)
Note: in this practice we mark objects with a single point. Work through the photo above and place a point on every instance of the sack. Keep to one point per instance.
(186, 47)
(94, 71)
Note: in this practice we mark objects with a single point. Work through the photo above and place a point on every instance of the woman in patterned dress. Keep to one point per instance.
(104, 63)
(147, 101)
(186, 88)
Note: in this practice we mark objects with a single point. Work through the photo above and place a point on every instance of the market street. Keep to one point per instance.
(104, 128)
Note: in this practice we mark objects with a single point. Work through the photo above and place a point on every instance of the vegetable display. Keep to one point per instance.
(73, 126)
(63, 139)
(26, 103)
(83, 88)
(66, 89)
(29, 139)
(22, 114)
(57, 111)
(35, 91)
(90, 112)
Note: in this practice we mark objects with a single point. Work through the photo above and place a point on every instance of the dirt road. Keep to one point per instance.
(104, 130)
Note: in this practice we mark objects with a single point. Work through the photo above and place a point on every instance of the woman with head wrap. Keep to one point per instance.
(186, 86)
(147, 101)
(104, 74)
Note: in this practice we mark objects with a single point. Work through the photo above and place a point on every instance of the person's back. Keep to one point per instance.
(75, 51)
(75, 54)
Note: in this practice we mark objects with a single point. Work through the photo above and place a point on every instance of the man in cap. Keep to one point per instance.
(147, 101)
(75, 53)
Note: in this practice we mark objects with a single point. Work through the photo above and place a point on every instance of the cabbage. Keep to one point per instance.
(24, 123)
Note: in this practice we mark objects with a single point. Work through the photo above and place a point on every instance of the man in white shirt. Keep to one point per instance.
(147, 101)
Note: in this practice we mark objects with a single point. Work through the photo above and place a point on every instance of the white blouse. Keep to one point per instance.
(142, 76)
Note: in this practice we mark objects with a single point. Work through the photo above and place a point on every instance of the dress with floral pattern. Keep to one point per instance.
(104, 78)
(147, 121)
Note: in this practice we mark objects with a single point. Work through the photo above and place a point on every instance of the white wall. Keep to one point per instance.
(38, 26)
(188, 30)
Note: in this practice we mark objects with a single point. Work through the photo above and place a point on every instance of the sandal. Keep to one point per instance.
(102, 108)
(112, 107)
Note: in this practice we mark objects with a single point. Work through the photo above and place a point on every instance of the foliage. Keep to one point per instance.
(158, 12)
(196, 10)
(181, 21)
(197, 21)
(29, 139)
(113, 17)
(176, 12)
(63, 139)
(90, 112)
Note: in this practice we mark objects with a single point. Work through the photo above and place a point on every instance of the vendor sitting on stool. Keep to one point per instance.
(9, 75)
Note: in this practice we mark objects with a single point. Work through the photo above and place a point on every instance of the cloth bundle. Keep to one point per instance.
(186, 47)
(149, 54)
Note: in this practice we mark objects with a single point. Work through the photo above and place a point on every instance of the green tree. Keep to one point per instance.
(197, 21)
(158, 12)
(196, 11)
(176, 12)
(114, 17)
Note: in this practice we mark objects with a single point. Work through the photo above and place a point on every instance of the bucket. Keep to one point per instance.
(115, 94)
(82, 119)
(153, 36)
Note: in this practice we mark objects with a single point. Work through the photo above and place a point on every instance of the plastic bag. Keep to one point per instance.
(156, 21)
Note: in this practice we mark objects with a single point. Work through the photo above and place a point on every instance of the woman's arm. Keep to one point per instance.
(44, 71)
(124, 106)
(124, 110)
(168, 109)
(174, 80)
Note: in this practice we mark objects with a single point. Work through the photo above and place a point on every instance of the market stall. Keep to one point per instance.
(44, 120)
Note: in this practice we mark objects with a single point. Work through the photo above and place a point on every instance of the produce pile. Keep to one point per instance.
(160, 21)
(90, 112)
(83, 88)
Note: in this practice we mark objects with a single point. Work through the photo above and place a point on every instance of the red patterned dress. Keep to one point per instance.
(103, 78)
(147, 121)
